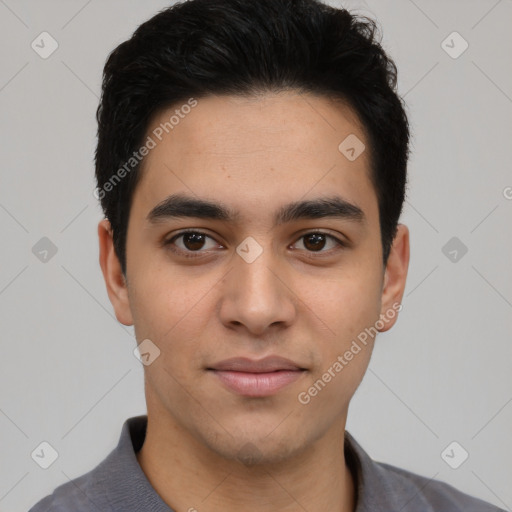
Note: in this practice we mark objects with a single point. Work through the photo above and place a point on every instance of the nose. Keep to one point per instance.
(257, 295)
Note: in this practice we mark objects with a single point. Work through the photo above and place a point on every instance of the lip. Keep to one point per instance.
(265, 365)
(263, 377)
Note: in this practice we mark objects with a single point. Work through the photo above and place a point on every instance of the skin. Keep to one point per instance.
(254, 155)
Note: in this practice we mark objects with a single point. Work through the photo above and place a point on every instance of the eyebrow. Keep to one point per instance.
(183, 206)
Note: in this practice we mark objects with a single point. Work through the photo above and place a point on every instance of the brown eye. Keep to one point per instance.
(190, 242)
(193, 241)
(316, 241)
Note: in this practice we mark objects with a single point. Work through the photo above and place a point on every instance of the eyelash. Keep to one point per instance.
(196, 254)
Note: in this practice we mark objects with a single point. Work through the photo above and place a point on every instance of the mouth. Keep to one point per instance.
(257, 378)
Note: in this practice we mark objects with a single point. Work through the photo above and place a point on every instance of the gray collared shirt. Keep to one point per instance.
(118, 484)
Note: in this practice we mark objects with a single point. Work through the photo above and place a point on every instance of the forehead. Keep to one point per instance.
(252, 152)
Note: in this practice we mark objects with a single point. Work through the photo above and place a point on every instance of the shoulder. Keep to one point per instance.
(382, 486)
(116, 483)
(73, 496)
(433, 494)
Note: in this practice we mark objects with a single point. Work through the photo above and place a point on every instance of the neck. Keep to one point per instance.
(189, 476)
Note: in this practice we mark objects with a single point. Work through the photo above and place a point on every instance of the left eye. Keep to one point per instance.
(316, 241)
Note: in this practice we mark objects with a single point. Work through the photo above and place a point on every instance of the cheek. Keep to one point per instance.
(350, 303)
(172, 312)
(164, 303)
(349, 307)
(343, 356)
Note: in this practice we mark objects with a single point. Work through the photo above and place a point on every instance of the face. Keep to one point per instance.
(249, 276)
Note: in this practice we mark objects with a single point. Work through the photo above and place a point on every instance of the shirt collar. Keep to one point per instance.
(121, 480)
(125, 486)
(379, 485)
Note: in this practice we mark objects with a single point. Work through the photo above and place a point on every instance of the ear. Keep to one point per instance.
(114, 279)
(395, 276)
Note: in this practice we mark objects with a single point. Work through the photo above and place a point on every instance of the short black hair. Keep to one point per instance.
(199, 48)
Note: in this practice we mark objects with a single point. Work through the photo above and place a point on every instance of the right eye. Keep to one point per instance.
(191, 242)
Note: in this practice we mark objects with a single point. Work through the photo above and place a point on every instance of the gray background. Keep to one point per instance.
(68, 375)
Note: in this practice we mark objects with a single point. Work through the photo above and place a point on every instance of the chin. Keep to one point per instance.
(257, 446)
(254, 453)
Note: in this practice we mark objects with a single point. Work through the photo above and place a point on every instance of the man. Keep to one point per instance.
(251, 164)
